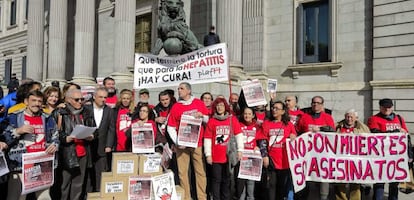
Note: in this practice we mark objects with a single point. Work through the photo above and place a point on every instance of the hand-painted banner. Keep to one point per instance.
(209, 64)
(348, 158)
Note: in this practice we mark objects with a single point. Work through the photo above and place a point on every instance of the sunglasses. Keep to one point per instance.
(78, 99)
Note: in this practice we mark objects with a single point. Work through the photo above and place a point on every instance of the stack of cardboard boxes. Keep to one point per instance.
(131, 178)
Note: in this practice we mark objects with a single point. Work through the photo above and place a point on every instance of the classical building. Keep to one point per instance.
(351, 52)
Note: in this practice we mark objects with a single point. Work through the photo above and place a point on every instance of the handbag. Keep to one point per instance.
(232, 147)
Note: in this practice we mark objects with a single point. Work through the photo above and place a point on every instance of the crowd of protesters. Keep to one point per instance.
(204, 172)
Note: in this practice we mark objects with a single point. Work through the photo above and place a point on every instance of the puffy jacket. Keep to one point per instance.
(17, 145)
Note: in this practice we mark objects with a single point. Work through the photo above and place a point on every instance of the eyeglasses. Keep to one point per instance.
(318, 103)
(78, 99)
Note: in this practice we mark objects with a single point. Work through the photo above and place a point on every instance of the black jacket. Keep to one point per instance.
(67, 151)
(104, 136)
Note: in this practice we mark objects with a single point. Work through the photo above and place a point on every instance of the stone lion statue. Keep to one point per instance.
(174, 35)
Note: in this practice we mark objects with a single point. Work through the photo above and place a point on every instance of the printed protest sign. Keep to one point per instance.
(348, 158)
(164, 186)
(253, 93)
(142, 138)
(206, 65)
(3, 164)
(37, 172)
(189, 131)
(140, 187)
(251, 166)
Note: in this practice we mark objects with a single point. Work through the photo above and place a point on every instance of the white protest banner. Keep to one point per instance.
(205, 65)
(142, 138)
(253, 93)
(348, 158)
(3, 164)
(189, 131)
(251, 165)
(38, 171)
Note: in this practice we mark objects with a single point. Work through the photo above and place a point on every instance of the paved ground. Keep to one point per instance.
(401, 196)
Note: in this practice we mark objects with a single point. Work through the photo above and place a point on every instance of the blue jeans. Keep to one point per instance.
(379, 191)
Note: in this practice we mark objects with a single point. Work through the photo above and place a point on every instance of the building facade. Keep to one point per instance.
(351, 52)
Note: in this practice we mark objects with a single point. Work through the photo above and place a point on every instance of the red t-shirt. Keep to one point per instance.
(111, 101)
(260, 117)
(163, 113)
(219, 133)
(307, 122)
(295, 116)
(385, 125)
(178, 109)
(36, 141)
(251, 133)
(276, 133)
(123, 122)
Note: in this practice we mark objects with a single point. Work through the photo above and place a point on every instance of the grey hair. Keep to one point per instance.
(187, 85)
(100, 88)
(70, 92)
(352, 111)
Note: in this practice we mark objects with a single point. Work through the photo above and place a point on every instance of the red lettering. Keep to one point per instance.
(402, 142)
(341, 169)
(393, 144)
(399, 169)
(331, 168)
(300, 170)
(355, 172)
(382, 138)
(302, 148)
(318, 140)
(221, 59)
(380, 164)
(368, 172)
(330, 146)
(372, 142)
(361, 145)
(202, 63)
(314, 167)
(324, 169)
(391, 169)
(345, 144)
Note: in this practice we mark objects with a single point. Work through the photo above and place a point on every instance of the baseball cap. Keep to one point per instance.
(387, 103)
(142, 91)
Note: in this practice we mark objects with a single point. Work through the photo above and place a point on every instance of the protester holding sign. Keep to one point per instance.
(350, 124)
(123, 108)
(386, 121)
(143, 115)
(29, 131)
(276, 130)
(219, 129)
(252, 132)
(316, 120)
(188, 105)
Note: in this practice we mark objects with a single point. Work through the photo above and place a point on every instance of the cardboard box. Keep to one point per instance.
(114, 186)
(150, 164)
(94, 196)
(180, 192)
(125, 164)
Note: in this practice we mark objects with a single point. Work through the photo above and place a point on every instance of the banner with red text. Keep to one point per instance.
(348, 158)
(206, 65)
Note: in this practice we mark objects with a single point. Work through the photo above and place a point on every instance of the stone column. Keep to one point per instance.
(84, 41)
(124, 40)
(57, 40)
(35, 29)
(229, 27)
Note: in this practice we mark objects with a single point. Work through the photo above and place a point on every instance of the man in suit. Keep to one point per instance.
(104, 136)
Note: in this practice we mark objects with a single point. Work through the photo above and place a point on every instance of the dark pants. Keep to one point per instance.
(95, 174)
(73, 181)
(379, 191)
(279, 183)
(220, 181)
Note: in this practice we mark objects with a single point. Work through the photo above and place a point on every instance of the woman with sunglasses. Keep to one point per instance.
(276, 130)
